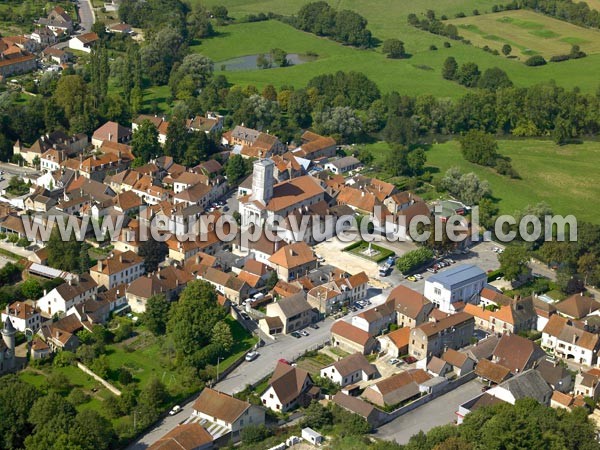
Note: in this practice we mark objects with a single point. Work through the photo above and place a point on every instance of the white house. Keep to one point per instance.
(225, 414)
(568, 341)
(22, 316)
(459, 284)
(83, 42)
(286, 386)
(350, 370)
(70, 293)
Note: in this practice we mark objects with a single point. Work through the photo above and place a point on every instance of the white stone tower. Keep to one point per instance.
(262, 180)
(8, 336)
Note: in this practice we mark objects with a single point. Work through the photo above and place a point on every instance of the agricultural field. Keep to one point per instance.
(528, 33)
(593, 4)
(419, 74)
(551, 173)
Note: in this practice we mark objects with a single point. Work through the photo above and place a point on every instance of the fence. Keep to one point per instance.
(427, 398)
(101, 380)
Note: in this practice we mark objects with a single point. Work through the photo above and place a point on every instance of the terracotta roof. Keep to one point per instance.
(577, 306)
(399, 380)
(38, 345)
(127, 200)
(220, 405)
(357, 198)
(293, 255)
(256, 267)
(21, 310)
(408, 301)
(564, 330)
(118, 262)
(400, 337)
(455, 358)
(287, 382)
(250, 278)
(477, 311)
(87, 38)
(350, 332)
(110, 131)
(563, 399)
(492, 371)
(517, 353)
(188, 436)
(291, 192)
(494, 296)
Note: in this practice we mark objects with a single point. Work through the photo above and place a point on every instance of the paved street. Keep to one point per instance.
(440, 411)
(86, 16)
(12, 169)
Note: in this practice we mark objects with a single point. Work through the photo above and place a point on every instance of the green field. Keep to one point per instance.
(528, 33)
(260, 37)
(387, 18)
(563, 176)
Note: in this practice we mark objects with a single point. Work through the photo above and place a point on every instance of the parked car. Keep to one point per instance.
(358, 305)
(410, 359)
(431, 269)
(304, 333)
(245, 316)
(251, 356)
(284, 361)
(175, 410)
(394, 361)
(314, 326)
(419, 276)
(411, 278)
(296, 334)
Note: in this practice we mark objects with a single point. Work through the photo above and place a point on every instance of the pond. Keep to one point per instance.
(249, 62)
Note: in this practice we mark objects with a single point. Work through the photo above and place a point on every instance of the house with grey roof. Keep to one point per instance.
(528, 384)
(343, 165)
(451, 289)
(294, 312)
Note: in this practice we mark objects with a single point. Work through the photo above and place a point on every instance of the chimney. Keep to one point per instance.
(110, 136)
(100, 265)
(57, 334)
(121, 258)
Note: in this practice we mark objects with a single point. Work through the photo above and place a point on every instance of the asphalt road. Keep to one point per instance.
(440, 411)
(12, 169)
(86, 15)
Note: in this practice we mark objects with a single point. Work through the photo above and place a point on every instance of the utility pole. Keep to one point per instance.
(219, 359)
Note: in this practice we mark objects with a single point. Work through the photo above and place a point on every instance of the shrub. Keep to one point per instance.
(535, 60)
(432, 47)
(413, 259)
(447, 44)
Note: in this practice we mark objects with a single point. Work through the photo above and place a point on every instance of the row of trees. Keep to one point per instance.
(433, 25)
(481, 148)
(527, 424)
(345, 26)
(469, 75)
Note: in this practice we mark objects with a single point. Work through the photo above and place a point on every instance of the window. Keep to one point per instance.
(437, 291)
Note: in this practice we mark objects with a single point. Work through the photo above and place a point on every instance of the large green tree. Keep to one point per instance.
(144, 142)
(157, 314)
(514, 262)
(194, 317)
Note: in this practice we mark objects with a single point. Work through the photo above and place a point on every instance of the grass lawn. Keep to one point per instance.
(253, 38)
(338, 351)
(383, 253)
(243, 341)
(593, 4)
(551, 173)
(528, 33)
(314, 364)
(77, 378)
(387, 18)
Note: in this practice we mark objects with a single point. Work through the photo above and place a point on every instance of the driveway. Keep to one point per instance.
(440, 411)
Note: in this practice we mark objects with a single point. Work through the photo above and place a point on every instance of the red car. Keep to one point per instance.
(284, 361)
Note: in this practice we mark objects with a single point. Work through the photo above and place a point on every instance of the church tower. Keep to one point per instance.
(262, 180)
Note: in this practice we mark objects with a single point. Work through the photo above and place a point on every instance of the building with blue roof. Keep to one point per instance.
(461, 283)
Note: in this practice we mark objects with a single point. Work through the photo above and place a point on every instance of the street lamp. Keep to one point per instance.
(219, 359)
